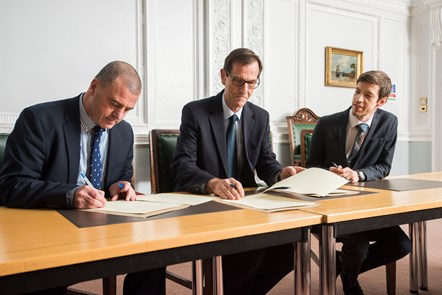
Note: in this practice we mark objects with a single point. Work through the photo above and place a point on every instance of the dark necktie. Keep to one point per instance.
(362, 128)
(231, 148)
(96, 166)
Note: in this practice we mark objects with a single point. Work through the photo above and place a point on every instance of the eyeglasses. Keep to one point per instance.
(240, 82)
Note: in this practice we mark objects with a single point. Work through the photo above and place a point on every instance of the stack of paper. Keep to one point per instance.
(310, 182)
(267, 203)
(149, 205)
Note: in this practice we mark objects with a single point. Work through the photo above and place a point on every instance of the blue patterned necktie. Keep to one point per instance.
(362, 128)
(96, 166)
(231, 148)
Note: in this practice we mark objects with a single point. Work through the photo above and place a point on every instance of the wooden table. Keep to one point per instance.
(371, 211)
(42, 249)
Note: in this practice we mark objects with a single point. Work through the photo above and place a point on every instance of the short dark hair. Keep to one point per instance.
(122, 69)
(379, 78)
(244, 56)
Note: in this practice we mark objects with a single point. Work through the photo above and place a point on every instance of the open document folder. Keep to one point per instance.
(310, 182)
(149, 205)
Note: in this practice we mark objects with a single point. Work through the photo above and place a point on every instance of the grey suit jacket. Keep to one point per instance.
(375, 155)
(200, 153)
(42, 156)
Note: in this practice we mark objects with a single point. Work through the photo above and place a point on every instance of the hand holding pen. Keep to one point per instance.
(346, 172)
(87, 197)
(229, 188)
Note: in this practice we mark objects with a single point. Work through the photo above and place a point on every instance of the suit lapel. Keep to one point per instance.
(112, 150)
(71, 130)
(343, 122)
(248, 124)
(216, 120)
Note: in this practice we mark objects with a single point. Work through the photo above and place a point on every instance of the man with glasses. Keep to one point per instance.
(223, 140)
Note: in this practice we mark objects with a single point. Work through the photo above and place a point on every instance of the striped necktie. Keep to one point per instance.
(362, 128)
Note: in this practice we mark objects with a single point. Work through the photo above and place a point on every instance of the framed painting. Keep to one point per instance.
(342, 66)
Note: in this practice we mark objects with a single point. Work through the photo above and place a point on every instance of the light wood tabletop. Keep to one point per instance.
(376, 208)
(41, 239)
(379, 202)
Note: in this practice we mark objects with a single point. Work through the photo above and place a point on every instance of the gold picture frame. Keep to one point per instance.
(342, 66)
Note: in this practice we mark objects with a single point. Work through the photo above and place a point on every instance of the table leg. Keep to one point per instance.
(423, 267)
(327, 267)
(414, 257)
(218, 275)
(197, 277)
(303, 266)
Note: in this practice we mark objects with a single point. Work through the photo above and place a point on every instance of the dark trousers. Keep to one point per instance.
(256, 272)
(148, 282)
(253, 272)
(359, 255)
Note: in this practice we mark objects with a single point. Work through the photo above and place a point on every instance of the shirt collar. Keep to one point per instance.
(86, 122)
(354, 121)
(228, 112)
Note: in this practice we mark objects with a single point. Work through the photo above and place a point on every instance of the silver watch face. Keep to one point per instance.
(361, 175)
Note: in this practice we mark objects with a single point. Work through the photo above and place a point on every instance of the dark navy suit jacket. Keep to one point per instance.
(200, 153)
(42, 156)
(375, 155)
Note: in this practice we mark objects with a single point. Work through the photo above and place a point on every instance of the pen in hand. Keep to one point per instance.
(86, 179)
(336, 165)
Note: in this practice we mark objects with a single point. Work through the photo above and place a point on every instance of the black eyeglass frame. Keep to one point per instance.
(240, 82)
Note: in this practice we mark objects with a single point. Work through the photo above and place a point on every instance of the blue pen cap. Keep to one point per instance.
(120, 185)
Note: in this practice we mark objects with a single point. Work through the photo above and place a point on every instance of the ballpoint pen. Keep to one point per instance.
(86, 179)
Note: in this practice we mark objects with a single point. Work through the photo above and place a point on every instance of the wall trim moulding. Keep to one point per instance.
(396, 6)
(220, 37)
(138, 117)
(254, 38)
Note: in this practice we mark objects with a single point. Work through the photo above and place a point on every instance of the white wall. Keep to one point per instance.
(55, 47)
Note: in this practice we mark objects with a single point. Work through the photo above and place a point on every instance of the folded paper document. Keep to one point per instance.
(154, 204)
(268, 203)
(310, 182)
(177, 198)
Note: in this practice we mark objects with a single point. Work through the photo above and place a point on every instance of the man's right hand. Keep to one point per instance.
(87, 197)
(230, 188)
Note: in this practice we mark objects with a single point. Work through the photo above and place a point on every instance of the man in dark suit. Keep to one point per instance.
(358, 144)
(48, 150)
(200, 164)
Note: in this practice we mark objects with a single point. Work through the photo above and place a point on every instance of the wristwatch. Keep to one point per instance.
(361, 175)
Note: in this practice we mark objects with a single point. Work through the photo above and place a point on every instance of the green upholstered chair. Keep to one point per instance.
(162, 146)
(306, 139)
(303, 118)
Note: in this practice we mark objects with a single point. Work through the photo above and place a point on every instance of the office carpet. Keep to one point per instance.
(373, 282)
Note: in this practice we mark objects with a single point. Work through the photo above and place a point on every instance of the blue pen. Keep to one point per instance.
(86, 179)
(120, 185)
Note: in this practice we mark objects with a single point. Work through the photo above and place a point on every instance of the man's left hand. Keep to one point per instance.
(122, 190)
(290, 170)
